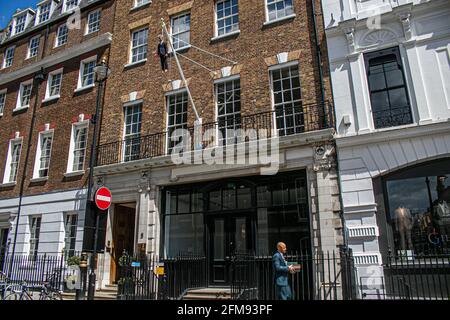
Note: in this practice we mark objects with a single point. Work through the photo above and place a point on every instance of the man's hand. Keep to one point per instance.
(291, 268)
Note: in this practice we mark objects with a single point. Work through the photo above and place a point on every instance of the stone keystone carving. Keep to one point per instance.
(324, 157)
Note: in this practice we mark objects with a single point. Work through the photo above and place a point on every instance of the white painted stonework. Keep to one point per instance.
(52, 207)
(421, 31)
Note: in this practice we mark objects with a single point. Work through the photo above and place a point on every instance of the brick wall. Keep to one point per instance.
(60, 114)
(75, 36)
(250, 49)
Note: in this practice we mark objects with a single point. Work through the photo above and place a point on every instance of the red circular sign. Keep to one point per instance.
(103, 198)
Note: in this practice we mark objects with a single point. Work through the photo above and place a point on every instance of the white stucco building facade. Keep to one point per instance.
(53, 211)
(390, 73)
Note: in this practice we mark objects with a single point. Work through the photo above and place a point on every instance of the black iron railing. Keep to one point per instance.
(322, 276)
(280, 122)
(182, 273)
(34, 270)
(393, 117)
(410, 277)
(138, 278)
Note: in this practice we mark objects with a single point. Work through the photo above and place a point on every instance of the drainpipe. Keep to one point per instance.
(318, 52)
(333, 114)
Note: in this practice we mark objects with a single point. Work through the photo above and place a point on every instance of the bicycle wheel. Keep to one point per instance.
(17, 296)
(55, 296)
(51, 296)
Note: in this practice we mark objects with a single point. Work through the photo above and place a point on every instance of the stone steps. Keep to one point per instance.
(208, 294)
(107, 293)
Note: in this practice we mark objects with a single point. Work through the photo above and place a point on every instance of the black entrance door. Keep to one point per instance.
(227, 234)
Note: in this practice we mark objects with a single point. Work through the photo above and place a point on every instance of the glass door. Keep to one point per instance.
(227, 234)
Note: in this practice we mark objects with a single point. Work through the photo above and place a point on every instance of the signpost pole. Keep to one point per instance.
(101, 74)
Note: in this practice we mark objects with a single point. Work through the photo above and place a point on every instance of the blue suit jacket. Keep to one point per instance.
(280, 269)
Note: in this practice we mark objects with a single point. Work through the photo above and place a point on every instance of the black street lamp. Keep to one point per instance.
(38, 79)
(101, 72)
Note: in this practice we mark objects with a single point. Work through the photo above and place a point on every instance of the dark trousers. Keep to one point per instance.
(283, 292)
(164, 65)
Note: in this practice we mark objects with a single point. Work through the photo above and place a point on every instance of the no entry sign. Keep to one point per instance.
(103, 198)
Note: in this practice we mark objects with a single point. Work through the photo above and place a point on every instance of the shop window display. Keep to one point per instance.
(419, 209)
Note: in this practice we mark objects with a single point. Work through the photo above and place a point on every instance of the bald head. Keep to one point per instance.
(281, 246)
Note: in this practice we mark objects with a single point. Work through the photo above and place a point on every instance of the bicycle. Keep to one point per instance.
(47, 292)
(21, 294)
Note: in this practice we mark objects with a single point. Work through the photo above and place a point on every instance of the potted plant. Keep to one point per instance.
(69, 281)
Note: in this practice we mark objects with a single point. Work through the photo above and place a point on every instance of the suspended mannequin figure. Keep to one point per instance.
(404, 226)
(163, 54)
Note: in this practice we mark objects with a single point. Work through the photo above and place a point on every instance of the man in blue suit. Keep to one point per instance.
(281, 271)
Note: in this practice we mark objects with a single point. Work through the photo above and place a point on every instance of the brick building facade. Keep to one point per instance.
(265, 75)
(66, 42)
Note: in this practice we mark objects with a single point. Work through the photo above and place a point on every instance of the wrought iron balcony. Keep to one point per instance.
(392, 117)
(283, 121)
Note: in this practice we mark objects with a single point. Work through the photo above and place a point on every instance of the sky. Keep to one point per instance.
(8, 7)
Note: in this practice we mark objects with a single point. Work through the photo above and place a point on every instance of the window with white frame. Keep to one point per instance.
(227, 17)
(70, 4)
(93, 22)
(70, 238)
(2, 101)
(35, 231)
(62, 35)
(43, 155)
(132, 132)
(24, 97)
(177, 105)
(228, 95)
(33, 47)
(12, 161)
(54, 84)
(78, 147)
(9, 57)
(278, 9)
(20, 23)
(286, 95)
(139, 43)
(44, 12)
(139, 3)
(87, 73)
(181, 30)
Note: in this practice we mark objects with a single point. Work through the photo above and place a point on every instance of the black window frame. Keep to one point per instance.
(391, 120)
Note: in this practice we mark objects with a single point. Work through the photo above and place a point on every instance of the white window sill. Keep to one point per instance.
(226, 35)
(85, 88)
(181, 49)
(92, 32)
(51, 98)
(140, 6)
(21, 108)
(74, 173)
(280, 19)
(8, 184)
(39, 179)
(59, 46)
(132, 64)
(1, 114)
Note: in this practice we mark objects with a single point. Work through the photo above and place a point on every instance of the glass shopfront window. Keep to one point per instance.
(255, 213)
(419, 209)
(184, 226)
(283, 216)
